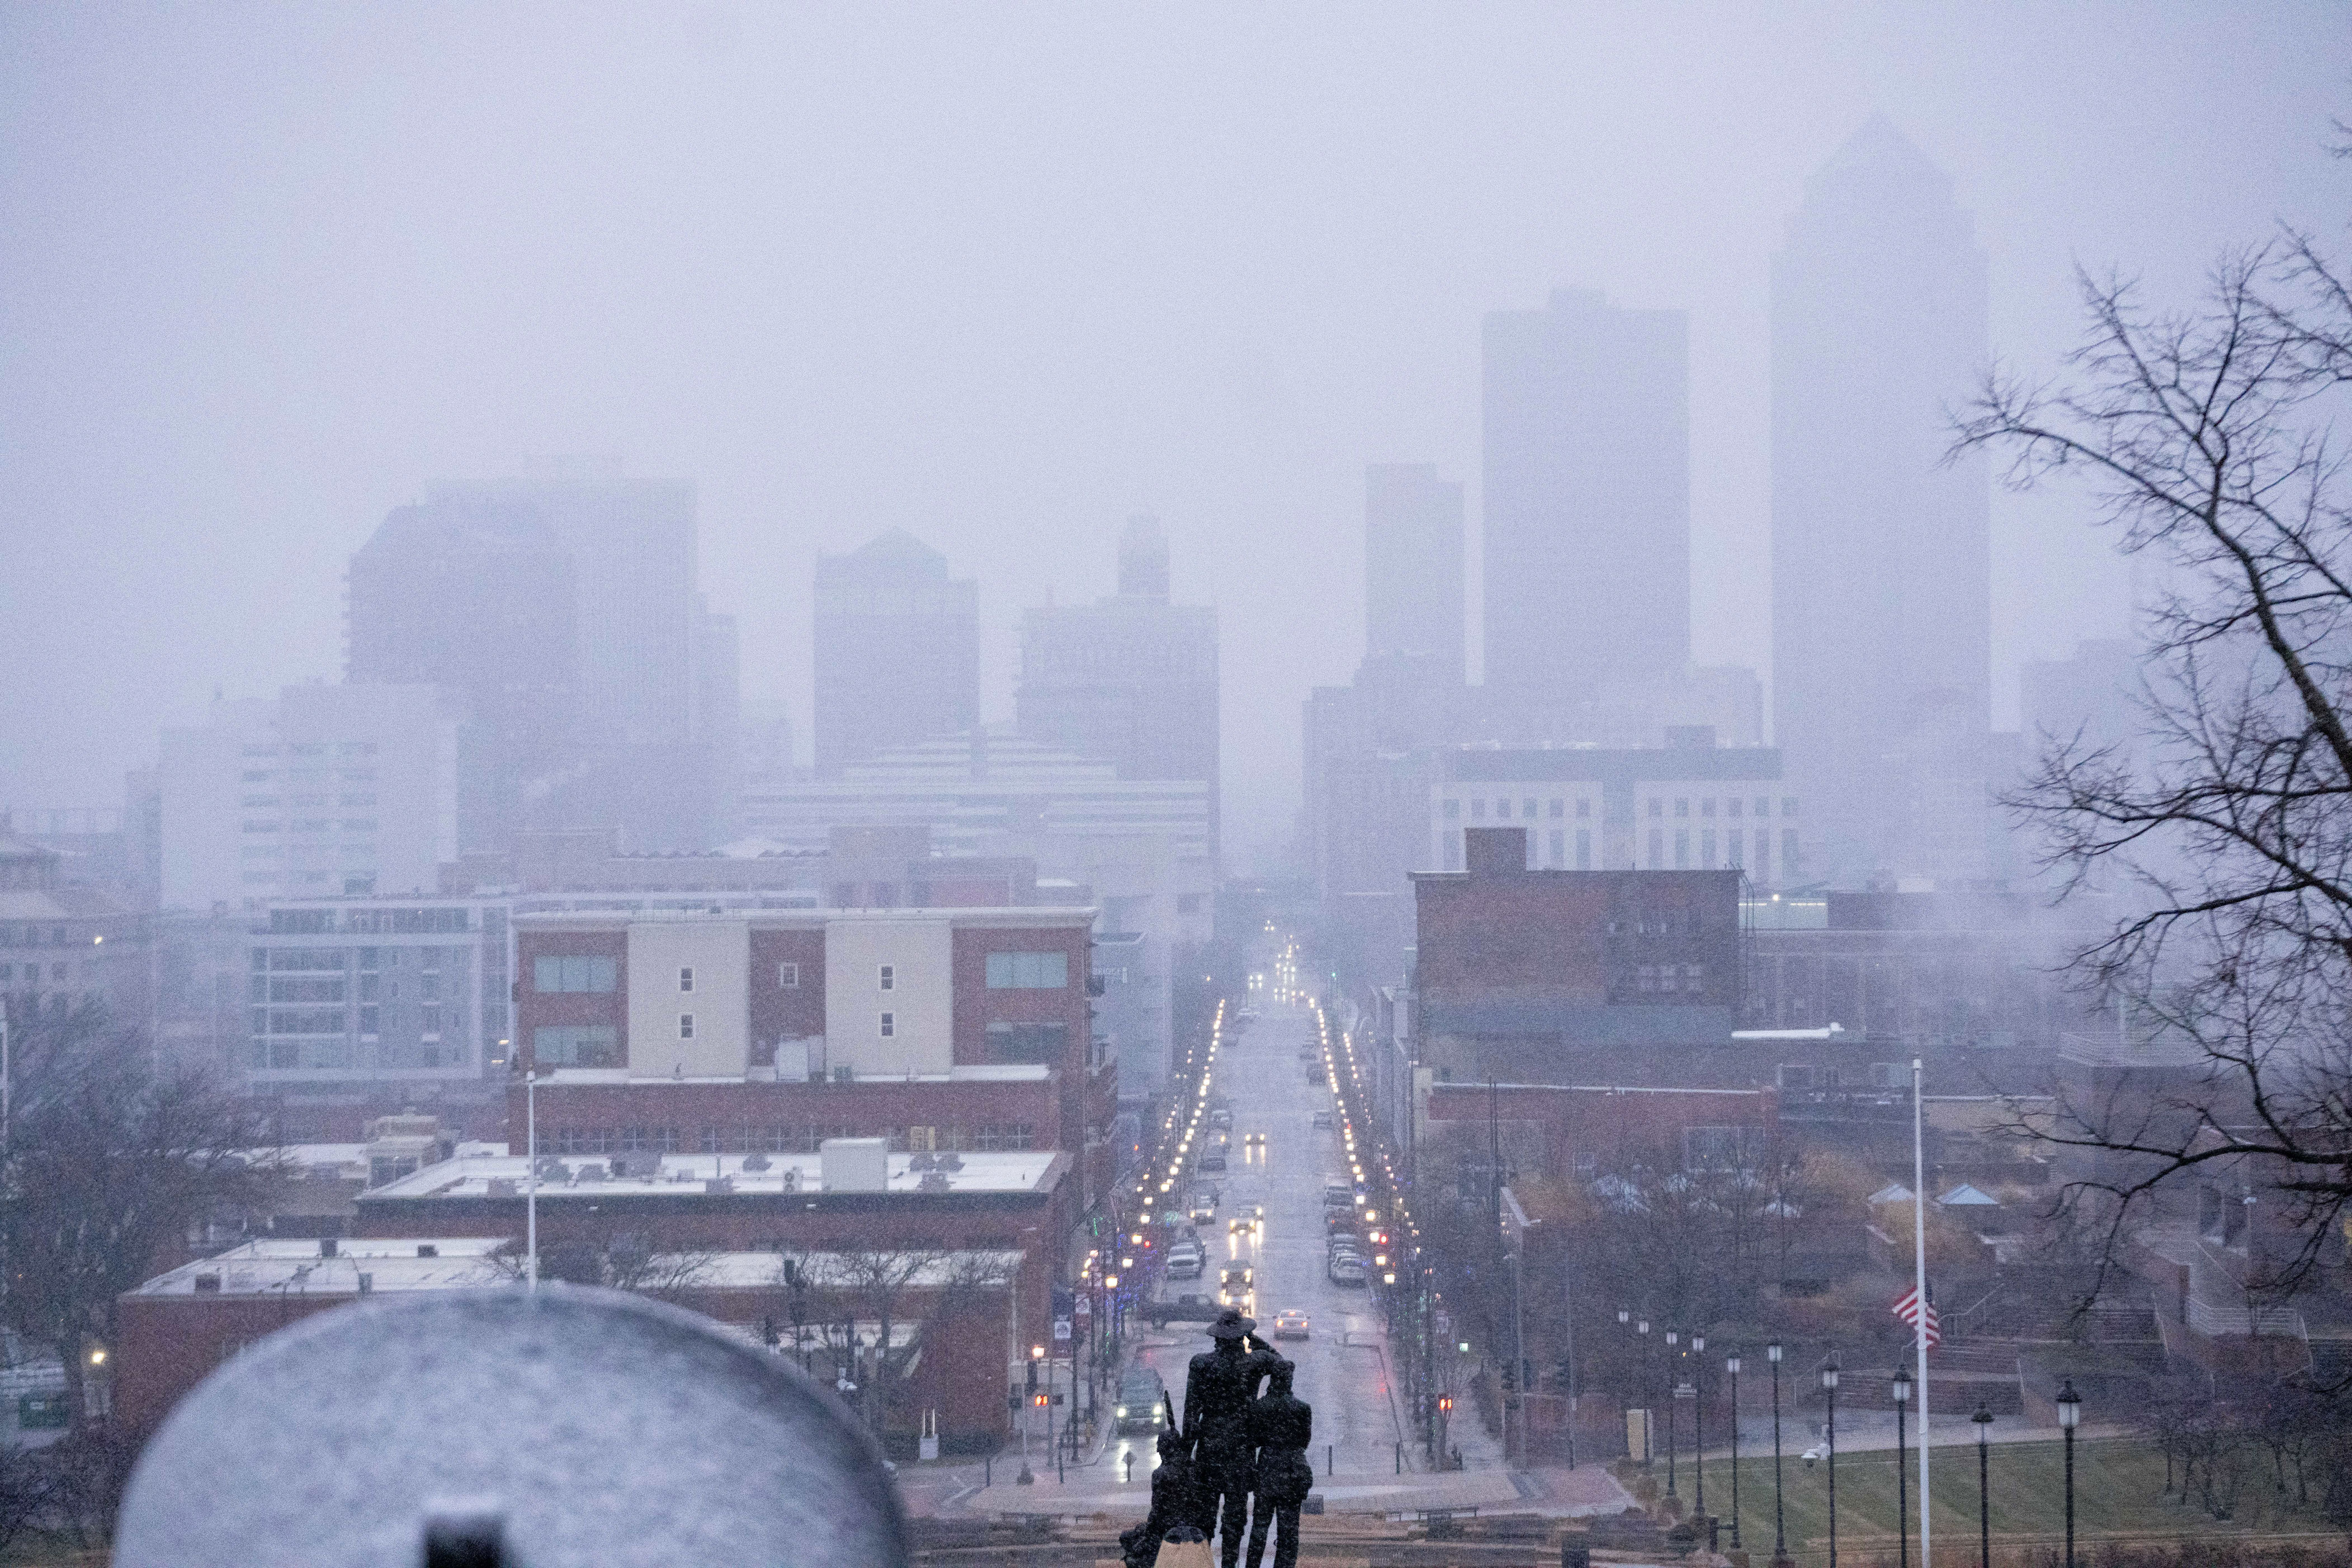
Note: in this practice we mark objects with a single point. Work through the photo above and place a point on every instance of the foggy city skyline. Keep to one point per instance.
(1000, 280)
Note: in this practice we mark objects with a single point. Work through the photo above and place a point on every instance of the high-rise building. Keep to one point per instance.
(1132, 678)
(643, 768)
(1587, 498)
(898, 650)
(475, 596)
(1881, 551)
(328, 790)
(1413, 566)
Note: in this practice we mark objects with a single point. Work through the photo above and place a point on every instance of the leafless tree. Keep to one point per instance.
(112, 1159)
(2212, 438)
(875, 1293)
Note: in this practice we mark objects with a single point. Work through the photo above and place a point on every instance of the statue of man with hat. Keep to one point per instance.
(1220, 1389)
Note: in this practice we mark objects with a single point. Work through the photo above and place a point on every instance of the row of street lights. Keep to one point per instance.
(2070, 1416)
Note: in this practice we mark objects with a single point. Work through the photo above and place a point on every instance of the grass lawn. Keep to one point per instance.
(2117, 1488)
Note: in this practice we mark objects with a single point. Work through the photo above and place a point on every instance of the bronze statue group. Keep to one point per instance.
(1236, 1444)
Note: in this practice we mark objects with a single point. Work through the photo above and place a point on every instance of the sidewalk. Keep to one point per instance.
(1348, 1492)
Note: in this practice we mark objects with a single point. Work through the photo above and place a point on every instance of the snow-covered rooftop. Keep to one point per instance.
(589, 1178)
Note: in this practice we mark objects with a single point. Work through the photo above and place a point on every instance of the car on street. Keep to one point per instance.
(1220, 1118)
(1235, 1284)
(1139, 1406)
(1186, 1309)
(1214, 1160)
(1290, 1324)
(1241, 1225)
(1204, 1208)
(1338, 1196)
(1347, 1268)
(1257, 1138)
(1185, 1260)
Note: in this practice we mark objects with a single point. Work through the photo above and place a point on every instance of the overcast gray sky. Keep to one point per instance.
(999, 273)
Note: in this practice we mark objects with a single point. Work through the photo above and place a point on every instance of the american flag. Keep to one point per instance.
(1921, 1316)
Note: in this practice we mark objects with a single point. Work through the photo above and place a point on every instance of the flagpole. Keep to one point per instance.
(1919, 1263)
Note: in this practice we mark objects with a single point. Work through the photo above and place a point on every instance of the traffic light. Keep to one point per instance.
(1445, 1404)
(1031, 1367)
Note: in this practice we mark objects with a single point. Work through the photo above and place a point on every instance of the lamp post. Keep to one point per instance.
(1900, 1386)
(1731, 1365)
(1673, 1388)
(1983, 1419)
(530, 1200)
(1780, 1513)
(1649, 1396)
(1699, 1419)
(1829, 1388)
(2070, 1414)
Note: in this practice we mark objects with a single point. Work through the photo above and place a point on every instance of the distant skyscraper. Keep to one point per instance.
(1881, 555)
(1586, 497)
(898, 650)
(1413, 566)
(476, 596)
(1132, 680)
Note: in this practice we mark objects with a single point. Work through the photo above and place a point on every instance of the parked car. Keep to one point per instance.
(1348, 1268)
(1290, 1324)
(1185, 1261)
(1214, 1160)
(1338, 1196)
(1139, 1406)
(1220, 1118)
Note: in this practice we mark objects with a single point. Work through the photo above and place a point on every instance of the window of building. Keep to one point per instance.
(1788, 852)
(576, 1046)
(995, 1136)
(686, 978)
(1707, 807)
(1478, 808)
(1584, 848)
(1527, 809)
(1452, 809)
(1706, 849)
(1682, 849)
(1028, 971)
(1787, 805)
(1658, 807)
(890, 1025)
(574, 972)
(1559, 807)
(1558, 848)
(1657, 846)
(429, 1022)
(1682, 806)
(1029, 1044)
(1453, 851)
(787, 977)
(686, 1026)
(889, 977)
(1731, 808)
(370, 1019)
(1739, 859)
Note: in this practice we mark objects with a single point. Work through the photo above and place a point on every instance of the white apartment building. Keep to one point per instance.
(1671, 809)
(325, 790)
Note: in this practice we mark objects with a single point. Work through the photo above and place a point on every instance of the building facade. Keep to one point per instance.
(1685, 807)
(1881, 548)
(1586, 497)
(1130, 679)
(477, 598)
(328, 789)
(898, 650)
(1414, 571)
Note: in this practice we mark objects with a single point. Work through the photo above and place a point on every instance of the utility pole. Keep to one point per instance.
(530, 1202)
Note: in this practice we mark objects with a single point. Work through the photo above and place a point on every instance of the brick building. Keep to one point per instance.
(955, 1311)
(1519, 970)
(767, 1031)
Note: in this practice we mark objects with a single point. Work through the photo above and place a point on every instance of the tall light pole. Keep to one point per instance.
(1699, 1419)
(530, 1201)
(2070, 1414)
(1674, 1392)
(1983, 1419)
(1829, 1388)
(1780, 1513)
(1731, 1365)
(1900, 1386)
(1649, 1394)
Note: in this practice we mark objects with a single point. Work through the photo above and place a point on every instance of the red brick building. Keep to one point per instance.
(953, 1321)
(769, 1031)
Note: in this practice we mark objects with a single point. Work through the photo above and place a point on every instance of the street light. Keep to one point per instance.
(1731, 1365)
(1649, 1396)
(1698, 1421)
(1674, 1392)
(2070, 1414)
(1779, 1515)
(1900, 1386)
(1983, 1419)
(1829, 1388)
